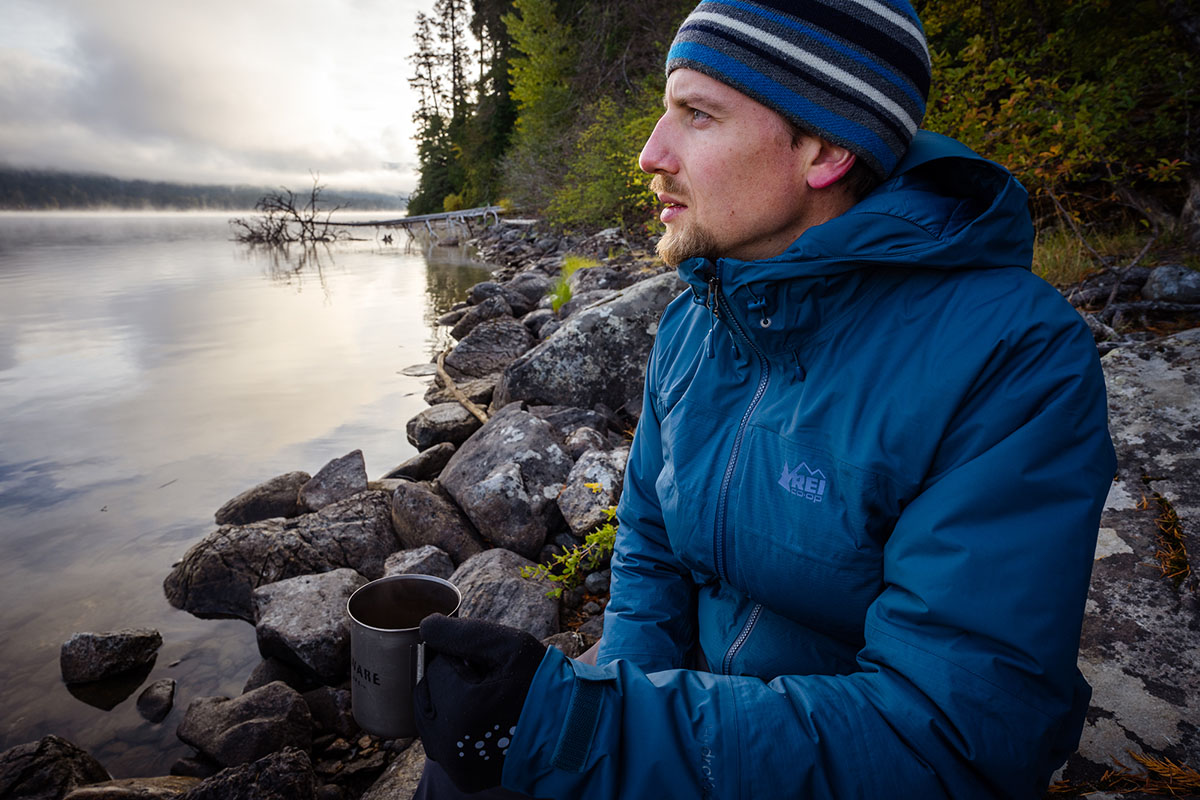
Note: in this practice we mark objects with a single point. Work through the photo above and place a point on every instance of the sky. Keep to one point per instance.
(253, 92)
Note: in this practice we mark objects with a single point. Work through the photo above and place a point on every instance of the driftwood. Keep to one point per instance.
(457, 393)
(1114, 310)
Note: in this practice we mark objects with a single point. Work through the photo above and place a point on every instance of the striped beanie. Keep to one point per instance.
(854, 72)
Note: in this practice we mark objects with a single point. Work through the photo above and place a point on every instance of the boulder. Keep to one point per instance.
(167, 787)
(96, 656)
(46, 770)
(568, 419)
(490, 308)
(582, 300)
(218, 574)
(583, 439)
(598, 355)
(477, 390)
(1173, 283)
(422, 515)
(278, 497)
(332, 712)
(156, 700)
(445, 422)
(506, 477)
(285, 775)
(593, 486)
(246, 728)
(531, 285)
(424, 466)
(598, 279)
(488, 348)
(270, 670)
(302, 621)
(493, 589)
(400, 779)
(339, 479)
(1141, 632)
(517, 301)
(536, 320)
(426, 560)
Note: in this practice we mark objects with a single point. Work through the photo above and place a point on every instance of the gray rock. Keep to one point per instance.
(156, 700)
(490, 308)
(493, 589)
(246, 728)
(445, 422)
(341, 478)
(159, 788)
(531, 285)
(570, 643)
(536, 319)
(285, 775)
(547, 330)
(489, 348)
(426, 465)
(278, 497)
(421, 515)
(593, 628)
(1173, 283)
(217, 575)
(270, 670)
(506, 477)
(594, 279)
(478, 390)
(46, 770)
(452, 316)
(597, 356)
(96, 656)
(302, 621)
(593, 486)
(597, 582)
(583, 439)
(1140, 641)
(582, 300)
(400, 779)
(425, 560)
(331, 711)
(566, 419)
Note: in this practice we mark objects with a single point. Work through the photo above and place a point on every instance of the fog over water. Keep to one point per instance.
(150, 369)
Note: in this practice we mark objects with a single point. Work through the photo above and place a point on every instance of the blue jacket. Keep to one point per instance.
(865, 490)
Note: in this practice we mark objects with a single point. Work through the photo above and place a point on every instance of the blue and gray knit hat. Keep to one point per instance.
(854, 72)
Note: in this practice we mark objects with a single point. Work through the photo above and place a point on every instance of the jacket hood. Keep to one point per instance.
(944, 207)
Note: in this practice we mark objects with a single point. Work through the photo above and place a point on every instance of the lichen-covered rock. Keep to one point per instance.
(488, 348)
(593, 486)
(477, 390)
(218, 574)
(506, 477)
(95, 656)
(401, 778)
(46, 770)
(493, 589)
(490, 308)
(1173, 283)
(421, 515)
(339, 479)
(278, 497)
(246, 728)
(1141, 632)
(597, 356)
(302, 621)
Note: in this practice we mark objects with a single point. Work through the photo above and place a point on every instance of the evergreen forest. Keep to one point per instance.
(542, 106)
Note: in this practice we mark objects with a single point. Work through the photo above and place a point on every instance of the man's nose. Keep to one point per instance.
(656, 155)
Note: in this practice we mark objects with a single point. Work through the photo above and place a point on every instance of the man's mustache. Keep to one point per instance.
(665, 184)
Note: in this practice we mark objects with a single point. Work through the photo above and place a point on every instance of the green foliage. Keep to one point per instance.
(567, 570)
(560, 291)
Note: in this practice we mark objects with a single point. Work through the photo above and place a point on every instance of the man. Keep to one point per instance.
(861, 505)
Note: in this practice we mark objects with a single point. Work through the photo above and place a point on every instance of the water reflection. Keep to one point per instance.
(150, 369)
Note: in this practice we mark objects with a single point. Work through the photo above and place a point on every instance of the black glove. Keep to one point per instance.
(477, 674)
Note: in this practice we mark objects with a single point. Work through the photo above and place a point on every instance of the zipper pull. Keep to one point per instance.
(714, 289)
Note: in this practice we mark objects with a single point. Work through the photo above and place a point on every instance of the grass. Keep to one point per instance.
(560, 290)
(1062, 259)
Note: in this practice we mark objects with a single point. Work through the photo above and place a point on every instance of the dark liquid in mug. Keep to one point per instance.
(396, 605)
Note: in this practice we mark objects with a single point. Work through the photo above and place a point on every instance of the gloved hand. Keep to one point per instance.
(477, 674)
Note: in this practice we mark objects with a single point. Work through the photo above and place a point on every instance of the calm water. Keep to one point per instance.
(150, 369)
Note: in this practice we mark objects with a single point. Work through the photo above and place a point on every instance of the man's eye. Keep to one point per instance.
(699, 116)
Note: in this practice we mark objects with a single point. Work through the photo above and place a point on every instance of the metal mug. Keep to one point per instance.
(387, 657)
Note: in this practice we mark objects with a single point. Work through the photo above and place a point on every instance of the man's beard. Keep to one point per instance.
(681, 240)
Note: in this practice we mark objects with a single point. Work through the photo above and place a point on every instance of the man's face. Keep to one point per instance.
(725, 168)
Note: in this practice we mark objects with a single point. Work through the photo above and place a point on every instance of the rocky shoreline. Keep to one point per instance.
(521, 451)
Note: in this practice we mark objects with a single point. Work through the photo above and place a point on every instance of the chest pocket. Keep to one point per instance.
(805, 533)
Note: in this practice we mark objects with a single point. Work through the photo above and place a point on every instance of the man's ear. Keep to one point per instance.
(829, 165)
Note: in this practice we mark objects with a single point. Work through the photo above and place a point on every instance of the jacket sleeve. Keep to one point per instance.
(649, 619)
(968, 685)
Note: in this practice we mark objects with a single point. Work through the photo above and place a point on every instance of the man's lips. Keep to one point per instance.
(672, 207)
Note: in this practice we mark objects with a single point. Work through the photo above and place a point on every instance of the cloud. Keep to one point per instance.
(223, 91)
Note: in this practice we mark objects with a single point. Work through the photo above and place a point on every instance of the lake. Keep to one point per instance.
(151, 369)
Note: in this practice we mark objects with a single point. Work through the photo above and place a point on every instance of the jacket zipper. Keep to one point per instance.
(719, 543)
